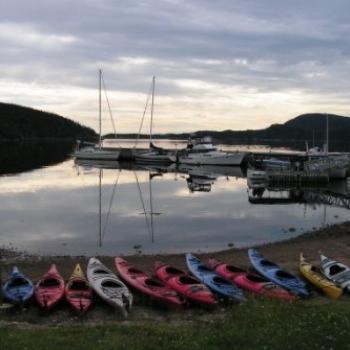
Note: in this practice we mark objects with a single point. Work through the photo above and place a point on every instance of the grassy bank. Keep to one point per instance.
(258, 324)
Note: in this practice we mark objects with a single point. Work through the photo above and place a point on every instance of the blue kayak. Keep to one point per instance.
(274, 273)
(214, 281)
(18, 289)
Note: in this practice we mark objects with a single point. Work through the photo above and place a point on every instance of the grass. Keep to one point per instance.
(255, 325)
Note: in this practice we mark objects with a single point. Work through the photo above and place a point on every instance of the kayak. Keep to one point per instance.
(143, 283)
(50, 288)
(109, 287)
(314, 276)
(336, 272)
(184, 284)
(214, 281)
(78, 292)
(18, 289)
(250, 282)
(275, 274)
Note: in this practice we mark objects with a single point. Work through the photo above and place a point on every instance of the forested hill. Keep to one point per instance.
(293, 133)
(23, 123)
(305, 127)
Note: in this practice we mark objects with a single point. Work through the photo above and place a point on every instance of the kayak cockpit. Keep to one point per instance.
(335, 269)
(18, 283)
(173, 271)
(50, 283)
(188, 280)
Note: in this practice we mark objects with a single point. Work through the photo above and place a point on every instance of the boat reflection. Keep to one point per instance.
(202, 179)
(336, 194)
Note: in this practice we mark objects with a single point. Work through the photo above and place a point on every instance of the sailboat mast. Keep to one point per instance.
(327, 135)
(100, 108)
(152, 108)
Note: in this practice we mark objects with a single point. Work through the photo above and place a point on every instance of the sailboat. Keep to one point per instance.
(154, 154)
(96, 152)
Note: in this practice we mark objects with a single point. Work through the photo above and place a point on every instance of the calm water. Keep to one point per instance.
(56, 210)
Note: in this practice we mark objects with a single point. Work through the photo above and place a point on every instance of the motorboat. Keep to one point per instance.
(202, 151)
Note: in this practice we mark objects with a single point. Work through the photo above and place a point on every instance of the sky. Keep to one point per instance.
(224, 64)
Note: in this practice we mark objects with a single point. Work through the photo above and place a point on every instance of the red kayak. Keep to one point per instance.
(184, 284)
(78, 292)
(251, 282)
(140, 281)
(50, 289)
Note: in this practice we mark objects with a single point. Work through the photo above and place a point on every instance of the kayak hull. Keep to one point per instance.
(78, 292)
(251, 282)
(214, 281)
(109, 287)
(50, 288)
(275, 274)
(144, 284)
(337, 272)
(18, 289)
(185, 285)
(318, 280)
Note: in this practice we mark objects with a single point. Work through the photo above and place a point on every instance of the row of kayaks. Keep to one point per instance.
(206, 284)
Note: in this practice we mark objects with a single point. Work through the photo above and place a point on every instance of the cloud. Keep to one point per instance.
(239, 63)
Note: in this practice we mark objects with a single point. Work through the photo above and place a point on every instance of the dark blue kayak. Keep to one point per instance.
(214, 281)
(274, 273)
(18, 289)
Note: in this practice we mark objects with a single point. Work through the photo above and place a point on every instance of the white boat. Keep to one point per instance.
(109, 287)
(96, 152)
(275, 163)
(202, 151)
(336, 272)
(156, 155)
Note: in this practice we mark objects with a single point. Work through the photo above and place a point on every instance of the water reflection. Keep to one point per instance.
(121, 209)
(19, 157)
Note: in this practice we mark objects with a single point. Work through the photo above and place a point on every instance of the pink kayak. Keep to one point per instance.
(140, 281)
(50, 289)
(250, 282)
(184, 284)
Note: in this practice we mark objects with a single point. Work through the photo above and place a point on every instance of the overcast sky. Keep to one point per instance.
(223, 64)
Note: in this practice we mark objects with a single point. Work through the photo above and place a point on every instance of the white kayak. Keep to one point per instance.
(336, 272)
(108, 286)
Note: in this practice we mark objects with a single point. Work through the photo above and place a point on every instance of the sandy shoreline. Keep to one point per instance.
(333, 241)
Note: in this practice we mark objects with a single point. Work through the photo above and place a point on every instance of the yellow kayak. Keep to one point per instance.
(312, 274)
(78, 292)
